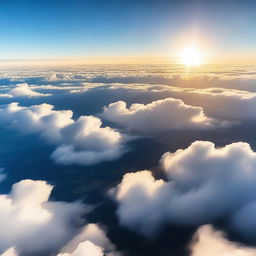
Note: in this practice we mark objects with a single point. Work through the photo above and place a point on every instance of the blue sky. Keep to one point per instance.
(35, 29)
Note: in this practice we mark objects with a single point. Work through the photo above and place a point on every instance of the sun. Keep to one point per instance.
(190, 56)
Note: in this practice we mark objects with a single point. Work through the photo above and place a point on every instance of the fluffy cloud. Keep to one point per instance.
(85, 142)
(210, 242)
(157, 116)
(26, 213)
(22, 90)
(92, 241)
(203, 183)
(82, 141)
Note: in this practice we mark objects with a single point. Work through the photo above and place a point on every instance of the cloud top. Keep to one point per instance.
(160, 115)
(208, 241)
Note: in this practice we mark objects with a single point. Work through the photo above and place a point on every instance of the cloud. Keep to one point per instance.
(82, 141)
(86, 248)
(210, 242)
(92, 241)
(26, 213)
(215, 103)
(5, 95)
(158, 116)
(203, 184)
(22, 90)
(204, 78)
(222, 104)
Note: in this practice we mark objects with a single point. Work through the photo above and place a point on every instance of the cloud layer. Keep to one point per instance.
(203, 184)
(92, 241)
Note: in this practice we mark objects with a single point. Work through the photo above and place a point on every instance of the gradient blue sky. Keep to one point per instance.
(35, 29)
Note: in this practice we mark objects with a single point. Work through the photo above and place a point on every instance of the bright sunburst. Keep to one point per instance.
(190, 56)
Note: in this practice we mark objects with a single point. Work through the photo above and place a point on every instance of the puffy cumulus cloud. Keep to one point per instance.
(26, 213)
(210, 242)
(92, 241)
(157, 116)
(22, 90)
(139, 199)
(203, 184)
(82, 141)
(85, 248)
(86, 142)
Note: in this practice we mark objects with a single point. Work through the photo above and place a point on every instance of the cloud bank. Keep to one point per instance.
(83, 141)
(203, 184)
(215, 103)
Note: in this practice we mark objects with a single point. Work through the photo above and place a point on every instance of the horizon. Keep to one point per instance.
(154, 60)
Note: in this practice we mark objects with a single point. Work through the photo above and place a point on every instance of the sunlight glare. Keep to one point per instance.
(190, 56)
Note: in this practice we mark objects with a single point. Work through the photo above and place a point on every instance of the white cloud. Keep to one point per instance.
(26, 213)
(158, 116)
(210, 242)
(85, 142)
(82, 141)
(22, 90)
(92, 241)
(203, 184)
(85, 248)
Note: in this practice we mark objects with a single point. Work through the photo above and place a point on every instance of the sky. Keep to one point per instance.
(56, 29)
